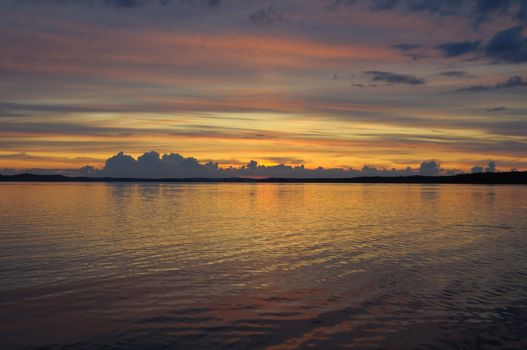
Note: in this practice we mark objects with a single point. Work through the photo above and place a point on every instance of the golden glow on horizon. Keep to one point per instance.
(265, 137)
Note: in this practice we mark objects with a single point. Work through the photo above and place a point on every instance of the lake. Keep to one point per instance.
(253, 266)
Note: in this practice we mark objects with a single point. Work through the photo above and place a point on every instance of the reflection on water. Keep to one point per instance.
(277, 266)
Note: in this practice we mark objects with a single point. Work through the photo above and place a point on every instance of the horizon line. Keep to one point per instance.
(511, 177)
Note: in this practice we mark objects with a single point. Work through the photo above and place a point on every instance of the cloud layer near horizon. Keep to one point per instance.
(332, 83)
(152, 165)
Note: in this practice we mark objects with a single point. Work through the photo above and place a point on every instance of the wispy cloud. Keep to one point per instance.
(414, 51)
(506, 46)
(456, 74)
(265, 16)
(393, 78)
(512, 82)
(124, 4)
(454, 49)
(476, 11)
(496, 109)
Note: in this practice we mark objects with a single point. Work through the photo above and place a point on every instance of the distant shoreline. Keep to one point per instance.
(505, 178)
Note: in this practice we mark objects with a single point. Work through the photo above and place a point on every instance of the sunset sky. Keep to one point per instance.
(332, 83)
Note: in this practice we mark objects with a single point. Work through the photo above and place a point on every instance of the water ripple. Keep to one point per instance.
(274, 266)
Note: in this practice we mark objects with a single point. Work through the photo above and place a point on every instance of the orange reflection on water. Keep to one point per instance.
(259, 265)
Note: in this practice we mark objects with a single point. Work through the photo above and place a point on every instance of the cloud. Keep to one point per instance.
(430, 168)
(477, 11)
(476, 170)
(458, 48)
(407, 47)
(485, 9)
(265, 16)
(455, 73)
(28, 157)
(111, 3)
(490, 168)
(512, 82)
(441, 7)
(495, 109)
(414, 51)
(475, 88)
(287, 160)
(344, 2)
(153, 165)
(382, 5)
(393, 78)
(9, 109)
(124, 4)
(508, 46)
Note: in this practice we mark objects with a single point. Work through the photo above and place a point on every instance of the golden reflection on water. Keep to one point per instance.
(262, 265)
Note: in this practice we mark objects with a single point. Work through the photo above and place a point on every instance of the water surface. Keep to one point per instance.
(275, 266)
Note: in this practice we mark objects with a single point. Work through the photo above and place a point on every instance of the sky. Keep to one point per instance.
(361, 85)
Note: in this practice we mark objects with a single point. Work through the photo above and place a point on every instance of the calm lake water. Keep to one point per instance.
(275, 266)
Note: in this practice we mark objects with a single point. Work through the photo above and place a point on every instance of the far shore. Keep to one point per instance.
(500, 178)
